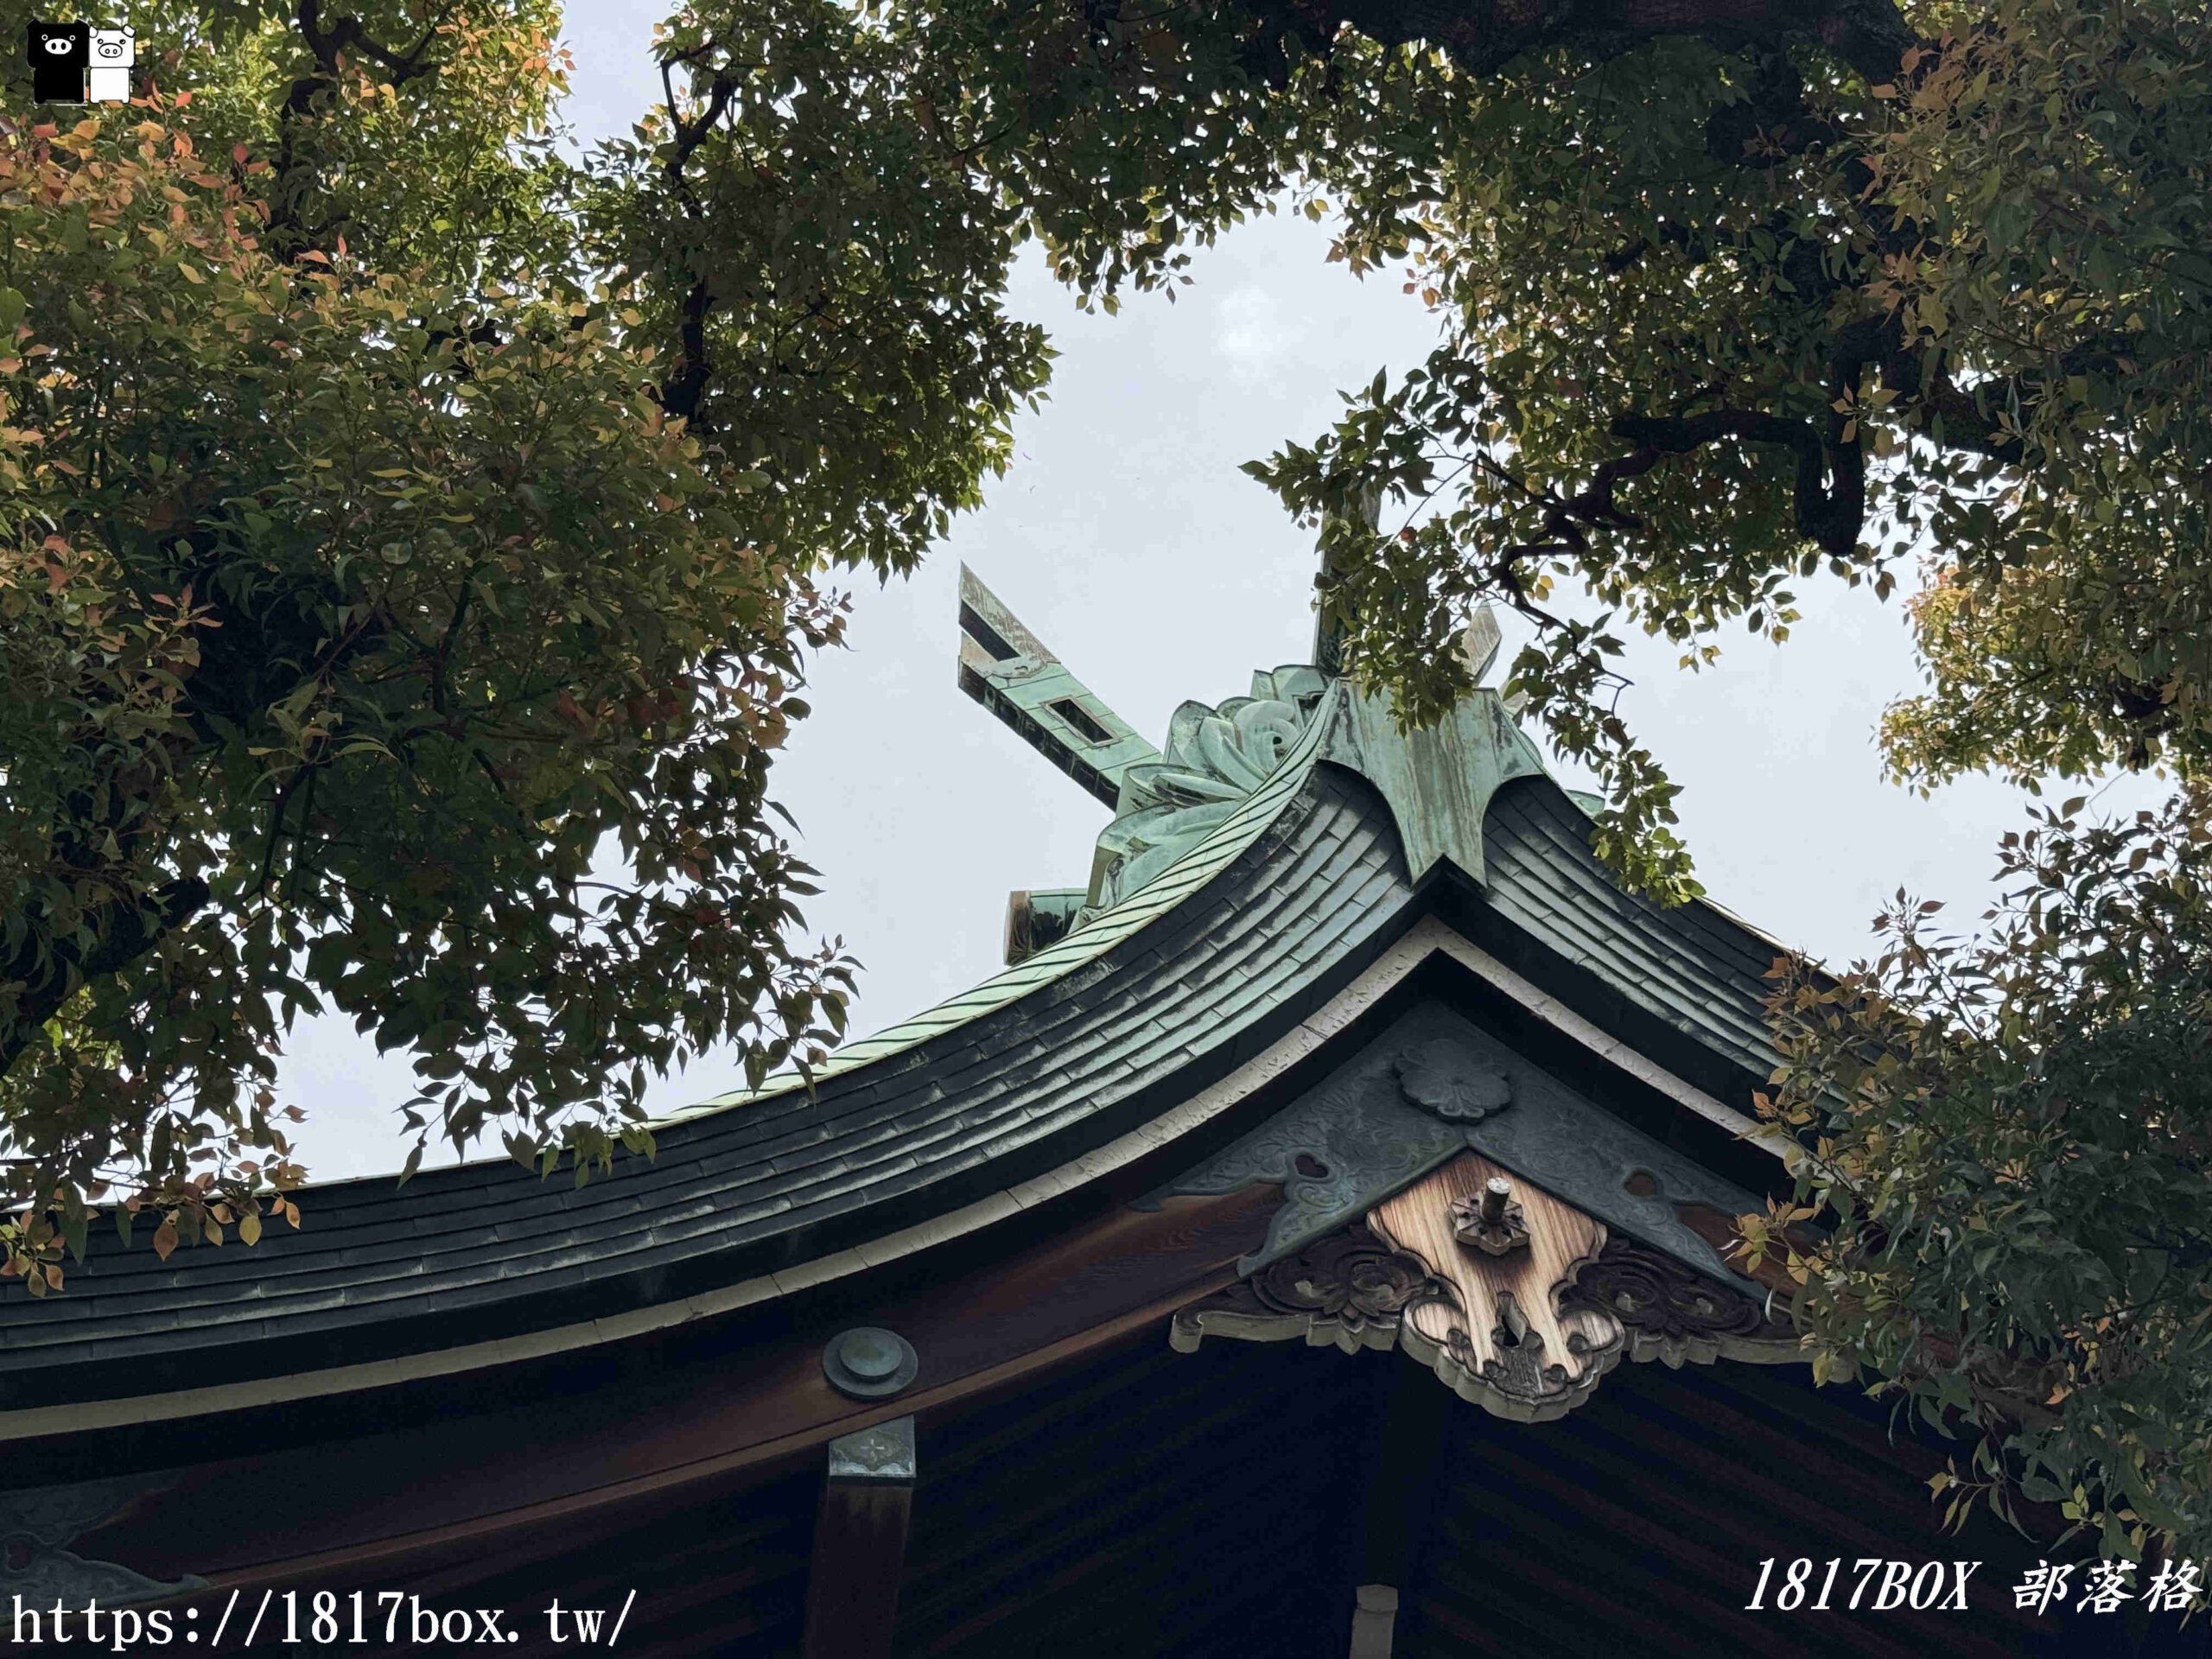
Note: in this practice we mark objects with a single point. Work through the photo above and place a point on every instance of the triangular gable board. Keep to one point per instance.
(1379, 1240)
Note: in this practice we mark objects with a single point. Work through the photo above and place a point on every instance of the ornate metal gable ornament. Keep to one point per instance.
(1525, 1333)
(1443, 1196)
(1214, 759)
(1438, 782)
(1444, 1077)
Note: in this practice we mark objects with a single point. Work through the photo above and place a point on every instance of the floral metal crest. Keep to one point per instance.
(1442, 1076)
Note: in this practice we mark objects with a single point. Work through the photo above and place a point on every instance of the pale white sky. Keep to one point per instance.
(1127, 539)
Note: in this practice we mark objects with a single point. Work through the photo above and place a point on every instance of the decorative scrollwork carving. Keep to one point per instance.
(1348, 1290)
(1674, 1313)
(1526, 1335)
(35, 1566)
(1514, 1365)
(1504, 1342)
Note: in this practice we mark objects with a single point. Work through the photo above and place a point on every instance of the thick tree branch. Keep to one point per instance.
(347, 33)
(1829, 512)
(294, 172)
(50, 969)
(1483, 36)
(686, 388)
(1831, 489)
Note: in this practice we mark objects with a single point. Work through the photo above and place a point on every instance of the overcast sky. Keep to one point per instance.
(1127, 539)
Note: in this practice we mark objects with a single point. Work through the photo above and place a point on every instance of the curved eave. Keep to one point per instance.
(1691, 969)
(1114, 1041)
(1210, 965)
(1079, 946)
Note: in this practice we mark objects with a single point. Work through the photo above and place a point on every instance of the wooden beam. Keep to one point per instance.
(860, 1543)
(1047, 1306)
(1374, 1621)
(1009, 670)
(1502, 1339)
(1404, 1456)
(1406, 1450)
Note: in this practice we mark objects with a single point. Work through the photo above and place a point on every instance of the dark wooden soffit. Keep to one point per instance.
(545, 1470)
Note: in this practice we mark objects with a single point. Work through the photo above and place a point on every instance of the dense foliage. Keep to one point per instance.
(1730, 299)
(1723, 306)
(409, 549)
(406, 531)
(2012, 1135)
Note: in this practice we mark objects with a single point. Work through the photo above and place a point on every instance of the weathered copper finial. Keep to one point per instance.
(1493, 1223)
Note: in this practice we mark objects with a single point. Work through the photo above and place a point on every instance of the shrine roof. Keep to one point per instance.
(1257, 864)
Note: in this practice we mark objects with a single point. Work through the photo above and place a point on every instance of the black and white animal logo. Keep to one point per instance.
(114, 52)
(60, 54)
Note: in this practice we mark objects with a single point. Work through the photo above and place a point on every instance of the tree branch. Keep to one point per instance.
(682, 393)
(1482, 36)
(327, 46)
(123, 929)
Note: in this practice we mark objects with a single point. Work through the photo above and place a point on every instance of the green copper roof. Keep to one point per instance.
(1202, 859)
(1191, 819)
(1184, 812)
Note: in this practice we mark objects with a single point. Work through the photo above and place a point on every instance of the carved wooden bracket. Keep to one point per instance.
(1676, 1315)
(1526, 1335)
(1504, 1341)
(37, 1571)
(1347, 1290)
